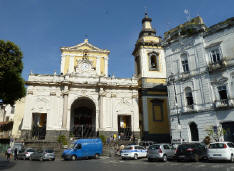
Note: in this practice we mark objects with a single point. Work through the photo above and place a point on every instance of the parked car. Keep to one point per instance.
(191, 151)
(133, 151)
(43, 155)
(83, 148)
(21, 154)
(48, 155)
(221, 151)
(37, 155)
(160, 152)
(28, 152)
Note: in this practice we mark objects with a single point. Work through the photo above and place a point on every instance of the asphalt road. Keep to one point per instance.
(115, 164)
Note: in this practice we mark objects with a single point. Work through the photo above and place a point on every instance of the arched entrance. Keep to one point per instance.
(83, 118)
(194, 131)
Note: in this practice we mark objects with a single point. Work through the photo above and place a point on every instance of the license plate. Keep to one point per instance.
(181, 156)
(125, 154)
(217, 155)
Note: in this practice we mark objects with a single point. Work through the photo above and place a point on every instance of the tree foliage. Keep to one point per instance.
(11, 66)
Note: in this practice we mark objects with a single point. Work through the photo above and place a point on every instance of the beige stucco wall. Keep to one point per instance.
(18, 118)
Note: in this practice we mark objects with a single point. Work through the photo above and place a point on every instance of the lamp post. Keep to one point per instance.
(171, 79)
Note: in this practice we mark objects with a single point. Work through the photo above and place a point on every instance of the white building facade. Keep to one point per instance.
(200, 74)
(82, 101)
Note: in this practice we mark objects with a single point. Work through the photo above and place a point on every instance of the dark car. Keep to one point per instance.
(43, 155)
(192, 151)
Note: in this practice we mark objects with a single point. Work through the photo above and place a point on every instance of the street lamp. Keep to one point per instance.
(171, 79)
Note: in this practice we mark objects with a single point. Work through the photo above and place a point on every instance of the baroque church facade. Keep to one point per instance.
(83, 101)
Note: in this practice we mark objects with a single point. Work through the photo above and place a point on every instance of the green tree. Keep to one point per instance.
(11, 66)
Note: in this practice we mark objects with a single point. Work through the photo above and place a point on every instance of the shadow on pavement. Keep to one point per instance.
(4, 164)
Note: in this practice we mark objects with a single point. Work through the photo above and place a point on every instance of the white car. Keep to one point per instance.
(28, 152)
(134, 152)
(221, 151)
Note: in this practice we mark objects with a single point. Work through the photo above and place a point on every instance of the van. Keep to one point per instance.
(83, 148)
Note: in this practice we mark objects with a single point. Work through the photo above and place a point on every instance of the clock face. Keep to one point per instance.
(85, 66)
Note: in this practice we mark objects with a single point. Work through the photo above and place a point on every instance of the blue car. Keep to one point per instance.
(83, 148)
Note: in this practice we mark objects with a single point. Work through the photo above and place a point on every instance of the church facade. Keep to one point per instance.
(82, 101)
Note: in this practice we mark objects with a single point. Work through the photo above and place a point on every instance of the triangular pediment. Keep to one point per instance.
(84, 46)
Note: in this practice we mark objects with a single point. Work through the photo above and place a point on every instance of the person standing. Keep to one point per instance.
(16, 154)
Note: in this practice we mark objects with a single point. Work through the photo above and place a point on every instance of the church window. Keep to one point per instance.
(184, 61)
(157, 110)
(153, 61)
(189, 97)
(223, 94)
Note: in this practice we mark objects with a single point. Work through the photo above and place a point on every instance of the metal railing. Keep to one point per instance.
(83, 131)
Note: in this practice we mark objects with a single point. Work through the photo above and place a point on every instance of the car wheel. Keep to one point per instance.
(135, 156)
(52, 159)
(97, 156)
(30, 158)
(196, 158)
(73, 157)
(232, 158)
(164, 158)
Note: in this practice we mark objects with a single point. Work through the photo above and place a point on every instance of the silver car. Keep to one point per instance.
(221, 151)
(160, 152)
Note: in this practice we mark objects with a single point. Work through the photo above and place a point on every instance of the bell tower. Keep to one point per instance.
(150, 70)
(149, 58)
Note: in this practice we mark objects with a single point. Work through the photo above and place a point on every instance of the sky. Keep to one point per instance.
(41, 27)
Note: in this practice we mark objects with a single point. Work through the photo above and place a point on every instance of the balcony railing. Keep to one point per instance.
(221, 64)
(224, 103)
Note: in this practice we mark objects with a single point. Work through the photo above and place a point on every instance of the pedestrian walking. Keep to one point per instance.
(8, 153)
(16, 154)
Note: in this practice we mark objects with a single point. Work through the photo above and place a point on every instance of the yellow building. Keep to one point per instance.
(151, 72)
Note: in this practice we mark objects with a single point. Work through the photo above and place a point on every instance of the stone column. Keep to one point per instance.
(65, 102)
(102, 94)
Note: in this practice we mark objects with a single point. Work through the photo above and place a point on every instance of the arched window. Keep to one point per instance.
(184, 61)
(189, 97)
(194, 131)
(153, 61)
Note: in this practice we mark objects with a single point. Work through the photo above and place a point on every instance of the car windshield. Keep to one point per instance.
(154, 147)
(217, 145)
(30, 150)
(128, 148)
(49, 151)
(72, 146)
(40, 151)
(186, 146)
(21, 151)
